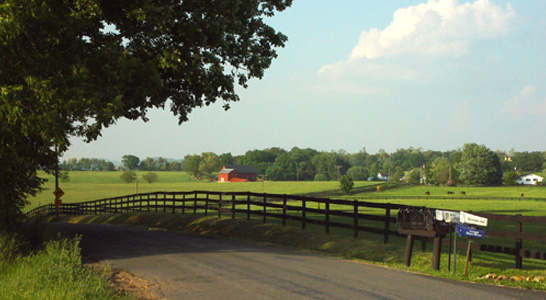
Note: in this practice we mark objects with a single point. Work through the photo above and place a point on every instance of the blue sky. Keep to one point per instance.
(374, 74)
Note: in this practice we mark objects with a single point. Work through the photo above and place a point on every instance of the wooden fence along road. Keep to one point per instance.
(348, 214)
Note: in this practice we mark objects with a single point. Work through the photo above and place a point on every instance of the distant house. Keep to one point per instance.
(531, 179)
(230, 173)
(382, 177)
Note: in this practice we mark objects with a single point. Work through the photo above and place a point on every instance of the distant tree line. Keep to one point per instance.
(87, 164)
(131, 162)
(473, 164)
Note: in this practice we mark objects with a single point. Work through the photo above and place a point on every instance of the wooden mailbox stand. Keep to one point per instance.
(437, 246)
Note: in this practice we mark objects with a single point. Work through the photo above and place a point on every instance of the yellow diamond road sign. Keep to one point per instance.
(58, 193)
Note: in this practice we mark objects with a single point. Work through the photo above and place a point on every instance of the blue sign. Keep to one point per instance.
(466, 231)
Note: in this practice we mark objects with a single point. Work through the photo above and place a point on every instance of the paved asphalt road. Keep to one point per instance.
(194, 267)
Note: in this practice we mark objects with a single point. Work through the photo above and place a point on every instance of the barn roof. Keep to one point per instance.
(225, 171)
(240, 169)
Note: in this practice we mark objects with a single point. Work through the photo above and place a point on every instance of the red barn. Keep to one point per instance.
(231, 173)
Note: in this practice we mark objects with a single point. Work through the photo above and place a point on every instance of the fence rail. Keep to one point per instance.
(355, 215)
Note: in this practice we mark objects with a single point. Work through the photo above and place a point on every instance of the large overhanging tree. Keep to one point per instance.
(73, 67)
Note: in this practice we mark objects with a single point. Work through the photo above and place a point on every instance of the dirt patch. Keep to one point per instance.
(126, 283)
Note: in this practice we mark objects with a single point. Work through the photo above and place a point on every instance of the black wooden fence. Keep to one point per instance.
(355, 215)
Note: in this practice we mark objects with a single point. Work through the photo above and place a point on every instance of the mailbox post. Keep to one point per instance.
(435, 224)
(421, 222)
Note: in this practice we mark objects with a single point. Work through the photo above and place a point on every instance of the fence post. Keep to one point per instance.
(195, 203)
(355, 219)
(284, 210)
(174, 202)
(327, 216)
(303, 214)
(183, 204)
(248, 206)
(164, 202)
(436, 251)
(387, 224)
(148, 202)
(519, 242)
(207, 204)
(264, 208)
(220, 206)
(409, 250)
(233, 206)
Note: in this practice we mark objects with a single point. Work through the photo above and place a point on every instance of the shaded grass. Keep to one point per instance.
(55, 272)
(368, 248)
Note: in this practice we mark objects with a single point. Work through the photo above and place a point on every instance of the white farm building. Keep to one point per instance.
(529, 179)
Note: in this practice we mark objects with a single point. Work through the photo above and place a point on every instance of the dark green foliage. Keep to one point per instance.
(87, 164)
(321, 177)
(226, 159)
(190, 164)
(414, 177)
(209, 164)
(24, 239)
(479, 166)
(358, 173)
(509, 178)
(529, 161)
(128, 176)
(151, 177)
(64, 176)
(72, 68)
(395, 178)
(260, 159)
(130, 162)
(346, 184)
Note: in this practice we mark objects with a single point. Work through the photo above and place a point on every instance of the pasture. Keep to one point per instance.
(90, 185)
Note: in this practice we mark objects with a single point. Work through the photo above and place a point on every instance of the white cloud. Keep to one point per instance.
(524, 105)
(441, 27)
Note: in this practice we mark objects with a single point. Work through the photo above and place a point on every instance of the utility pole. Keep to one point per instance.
(338, 173)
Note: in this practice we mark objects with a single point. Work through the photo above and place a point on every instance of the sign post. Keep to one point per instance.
(470, 233)
(465, 225)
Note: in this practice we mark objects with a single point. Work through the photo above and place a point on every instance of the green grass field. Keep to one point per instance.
(88, 185)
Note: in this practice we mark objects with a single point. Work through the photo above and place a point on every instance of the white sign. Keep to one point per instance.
(470, 219)
(448, 216)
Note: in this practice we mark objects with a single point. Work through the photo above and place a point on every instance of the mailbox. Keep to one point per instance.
(418, 219)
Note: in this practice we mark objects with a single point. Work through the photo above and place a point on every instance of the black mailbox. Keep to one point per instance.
(416, 219)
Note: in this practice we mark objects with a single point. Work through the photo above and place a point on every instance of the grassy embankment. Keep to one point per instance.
(31, 268)
(368, 247)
